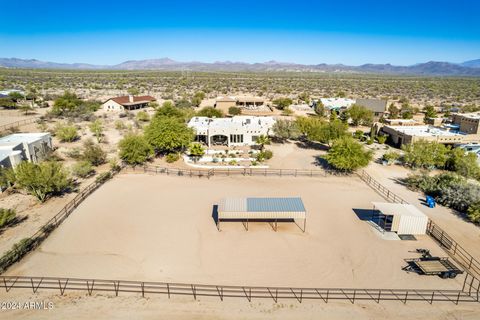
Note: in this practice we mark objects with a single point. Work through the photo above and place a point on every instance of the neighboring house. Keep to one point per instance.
(468, 123)
(378, 106)
(235, 131)
(472, 148)
(4, 93)
(246, 102)
(33, 147)
(336, 104)
(400, 135)
(127, 103)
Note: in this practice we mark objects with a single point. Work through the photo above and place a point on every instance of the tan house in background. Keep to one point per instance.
(468, 123)
(247, 102)
(127, 103)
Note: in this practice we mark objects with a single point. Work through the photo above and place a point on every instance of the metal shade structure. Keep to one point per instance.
(401, 218)
(269, 210)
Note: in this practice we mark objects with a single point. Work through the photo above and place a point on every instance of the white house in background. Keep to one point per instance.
(127, 103)
(337, 103)
(235, 131)
(33, 147)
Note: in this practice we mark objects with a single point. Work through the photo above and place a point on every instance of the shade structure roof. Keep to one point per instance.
(261, 208)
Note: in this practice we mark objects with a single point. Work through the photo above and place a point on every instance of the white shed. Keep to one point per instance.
(401, 218)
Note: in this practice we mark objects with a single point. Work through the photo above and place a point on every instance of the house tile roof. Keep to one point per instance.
(125, 100)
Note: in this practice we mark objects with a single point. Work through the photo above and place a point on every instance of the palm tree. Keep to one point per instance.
(196, 151)
(262, 140)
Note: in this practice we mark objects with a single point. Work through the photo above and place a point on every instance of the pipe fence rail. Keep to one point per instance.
(92, 286)
(231, 172)
(26, 245)
(374, 184)
(18, 123)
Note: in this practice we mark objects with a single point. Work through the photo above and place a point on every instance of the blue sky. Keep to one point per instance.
(340, 31)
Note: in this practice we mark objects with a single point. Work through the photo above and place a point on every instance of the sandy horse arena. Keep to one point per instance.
(160, 228)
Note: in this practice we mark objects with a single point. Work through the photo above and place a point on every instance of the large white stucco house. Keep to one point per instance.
(235, 131)
(127, 103)
(33, 147)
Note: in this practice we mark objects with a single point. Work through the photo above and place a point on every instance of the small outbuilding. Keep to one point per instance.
(271, 210)
(400, 218)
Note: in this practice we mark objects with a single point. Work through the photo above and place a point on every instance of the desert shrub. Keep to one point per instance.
(463, 163)
(93, 153)
(234, 111)
(42, 180)
(120, 125)
(104, 176)
(7, 177)
(449, 189)
(381, 139)
(473, 212)
(7, 216)
(134, 149)
(172, 157)
(358, 134)
(82, 169)
(66, 133)
(391, 156)
(143, 116)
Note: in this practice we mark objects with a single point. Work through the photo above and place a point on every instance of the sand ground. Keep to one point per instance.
(160, 228)
(160, 307)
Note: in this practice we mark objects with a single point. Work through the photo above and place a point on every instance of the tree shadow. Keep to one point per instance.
(14, 222)
(305, 144)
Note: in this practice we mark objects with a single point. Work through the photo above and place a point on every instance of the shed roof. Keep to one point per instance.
(395, 209)
(375, 105)
(262, 205)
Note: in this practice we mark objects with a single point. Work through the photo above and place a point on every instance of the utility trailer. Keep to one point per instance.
(429, 265)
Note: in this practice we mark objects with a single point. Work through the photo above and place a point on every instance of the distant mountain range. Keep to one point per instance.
(431, 68)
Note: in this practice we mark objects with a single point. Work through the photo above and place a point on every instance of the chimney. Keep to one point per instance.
(130, 98)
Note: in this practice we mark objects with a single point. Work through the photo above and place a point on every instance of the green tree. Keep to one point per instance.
(360, 115)
(16, 96)
(198, 98)
(134, 149)
(96, 127)
(169, 110)
(93, 153)
(347, 155)
(210, 112)
(66, 132)
(304, 96)
(329, 132)
(196, 151)
(168, 134)
(133, 91)
(234, 111)
(282, 103)
(425, 154)
(67, 102)
(262, 140)
(429, 112)
(463, 163)
(393, 112)
(42, 180)
(285, 129)
(320, 108)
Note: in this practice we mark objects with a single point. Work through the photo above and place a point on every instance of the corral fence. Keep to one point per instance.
(19, 123)
(221, 292)
(231, 172)
(26, 245)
